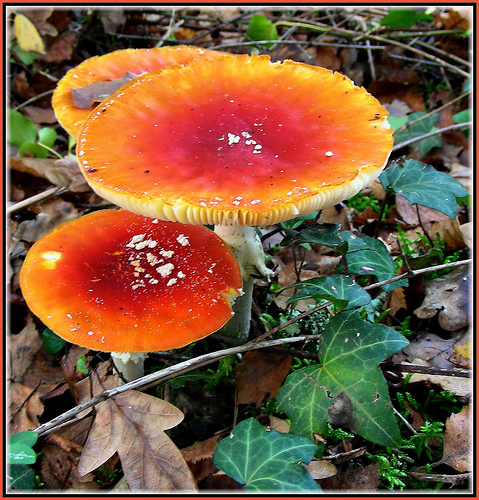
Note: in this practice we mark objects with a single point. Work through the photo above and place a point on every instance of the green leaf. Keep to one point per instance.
(316, 234)
(21, 129)
(21, 477)
(34, 149)
(47, 136)
(266, 460)
(341, 290)
(20, 448)
(418, 129)
(260, 28)
(423, 185)
(26, 56)
(347, 388)
(368, 256)
(52, 342)
(82, 365)
(403, 18)
(462, 116)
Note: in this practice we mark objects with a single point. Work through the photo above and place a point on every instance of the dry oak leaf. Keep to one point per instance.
(199, 457)
(259, 375)
(458, 441)
(24, 408)
(132, 424)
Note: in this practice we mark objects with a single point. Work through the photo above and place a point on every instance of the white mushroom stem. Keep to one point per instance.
(248, 250)
(129, 365)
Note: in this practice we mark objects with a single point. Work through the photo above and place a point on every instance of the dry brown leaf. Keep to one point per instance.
(23, 348)
(40, 115)
(353, 480)
(60, 454)
(448, 230)
(260, 375)
(467, 234)
(61, 49)
(458, 441)
(132, 424)
(448, 296)
(395, 301)
(321, 469)
(408, 212)
(199, 457)
(278, 424)
(64, 172)
(24, 408)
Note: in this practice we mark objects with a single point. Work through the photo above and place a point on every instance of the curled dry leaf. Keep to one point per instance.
(448, 297)
(320, 469)
(133, 425)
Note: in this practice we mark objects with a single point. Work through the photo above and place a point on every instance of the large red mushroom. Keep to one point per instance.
(235, 141)
(120, 282)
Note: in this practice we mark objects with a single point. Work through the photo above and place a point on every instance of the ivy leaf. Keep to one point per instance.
(317, 234)
(260, 28)
(21, 477)
(423, 185)
(52, 342)
(341, 290)
(266, 460)
(20, 449)
(367, 256)
(420, 128)
(347, 388)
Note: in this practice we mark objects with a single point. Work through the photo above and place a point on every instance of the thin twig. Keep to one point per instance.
(164, 375)
(431, 113)
(36, 198)
(456, 126)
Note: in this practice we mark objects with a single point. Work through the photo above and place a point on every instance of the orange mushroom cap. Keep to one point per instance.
(234, 140)
(118, 281)
(114, 66)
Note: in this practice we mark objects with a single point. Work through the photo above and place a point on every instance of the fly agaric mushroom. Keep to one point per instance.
(235, 141)
(84, 86)
(119, 282)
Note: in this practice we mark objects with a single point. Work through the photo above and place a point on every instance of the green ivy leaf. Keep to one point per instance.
(341, 290)
(266, 460)
(20, 448)
(260, 28)
(423, 185)
(52, 342)
(368, 256)
(21, 477)
(347, 388)
(21, 128)
(420, 128)
(316, 234)
(403, 18)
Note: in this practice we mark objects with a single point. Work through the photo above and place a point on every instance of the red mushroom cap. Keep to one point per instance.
(110, 67)
(118, 281)
(234, 140)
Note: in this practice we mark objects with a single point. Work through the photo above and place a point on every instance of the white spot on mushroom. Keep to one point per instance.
(183, 240)
(172, 281)
(165, 270)
(181, 274)
(328, 153)
(90, 333)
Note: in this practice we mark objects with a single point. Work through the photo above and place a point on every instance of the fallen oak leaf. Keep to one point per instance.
(457, 441)
(132, 424)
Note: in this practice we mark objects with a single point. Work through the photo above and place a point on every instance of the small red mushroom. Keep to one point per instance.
(235, 141)
(84, 86)
(120, 282)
